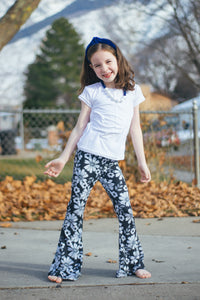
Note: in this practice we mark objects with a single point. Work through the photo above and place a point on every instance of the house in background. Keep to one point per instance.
(186, 121)
(154, 101)
(7, 121)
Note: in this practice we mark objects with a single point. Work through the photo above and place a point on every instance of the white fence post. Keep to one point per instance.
(22, 127)
(196, 143)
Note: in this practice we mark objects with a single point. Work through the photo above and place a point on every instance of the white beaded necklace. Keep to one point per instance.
(109, 94)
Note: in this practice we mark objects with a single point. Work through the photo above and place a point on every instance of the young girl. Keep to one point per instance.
(109, 110)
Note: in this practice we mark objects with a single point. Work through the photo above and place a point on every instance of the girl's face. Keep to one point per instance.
(105, 66)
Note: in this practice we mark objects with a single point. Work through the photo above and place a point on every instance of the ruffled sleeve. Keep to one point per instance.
(85, 96)
(139, 97)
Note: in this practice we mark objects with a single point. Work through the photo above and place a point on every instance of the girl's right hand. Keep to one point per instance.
(54, 167)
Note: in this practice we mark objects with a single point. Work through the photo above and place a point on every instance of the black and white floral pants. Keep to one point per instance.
(89, 168)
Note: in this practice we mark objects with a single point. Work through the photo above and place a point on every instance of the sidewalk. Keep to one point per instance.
(171, 247)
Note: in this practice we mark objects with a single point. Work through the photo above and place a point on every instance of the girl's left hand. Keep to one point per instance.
(145, 173)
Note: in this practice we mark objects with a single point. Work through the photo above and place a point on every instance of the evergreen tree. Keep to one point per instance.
(53, 79)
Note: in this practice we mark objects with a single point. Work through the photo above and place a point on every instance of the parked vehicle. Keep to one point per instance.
(166, 137)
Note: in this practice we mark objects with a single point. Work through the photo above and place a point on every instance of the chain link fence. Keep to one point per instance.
(30, 138)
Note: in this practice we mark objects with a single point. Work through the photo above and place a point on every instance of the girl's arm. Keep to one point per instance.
(137, 140)
(55, 166)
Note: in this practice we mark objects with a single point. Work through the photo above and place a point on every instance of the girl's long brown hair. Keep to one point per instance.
(125, 77)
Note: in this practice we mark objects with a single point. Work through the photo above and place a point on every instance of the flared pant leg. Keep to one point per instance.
(131, 255)
(68, 259)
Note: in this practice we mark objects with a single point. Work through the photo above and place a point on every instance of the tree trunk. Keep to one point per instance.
(15, 17)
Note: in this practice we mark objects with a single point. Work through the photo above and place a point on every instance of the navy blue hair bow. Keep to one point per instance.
(97, 40)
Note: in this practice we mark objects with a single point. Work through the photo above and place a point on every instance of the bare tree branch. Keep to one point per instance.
(15, 17)
(178, 47)
(187, 35)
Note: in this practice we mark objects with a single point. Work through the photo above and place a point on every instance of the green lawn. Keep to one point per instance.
(19, 168)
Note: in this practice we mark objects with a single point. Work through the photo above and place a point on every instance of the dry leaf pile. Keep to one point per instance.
(30, 200)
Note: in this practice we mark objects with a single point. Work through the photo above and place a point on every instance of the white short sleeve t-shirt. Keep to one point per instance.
(109, 124)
